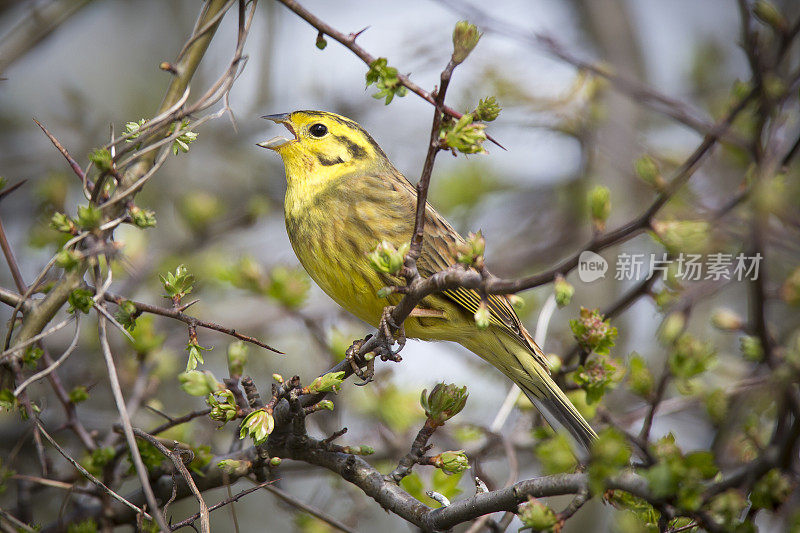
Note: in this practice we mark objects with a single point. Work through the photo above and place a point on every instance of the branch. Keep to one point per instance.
(349, 42)
(43, 312)
(178, 314)
(128, 505)
(141, 469)
(635, 90)
(177, 460)
(190, 520)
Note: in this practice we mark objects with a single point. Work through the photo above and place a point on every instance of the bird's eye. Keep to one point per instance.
(318, 130)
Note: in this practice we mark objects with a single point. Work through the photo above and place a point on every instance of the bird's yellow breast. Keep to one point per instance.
(331, 232)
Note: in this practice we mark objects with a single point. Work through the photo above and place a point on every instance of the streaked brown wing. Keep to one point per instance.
(438, 252)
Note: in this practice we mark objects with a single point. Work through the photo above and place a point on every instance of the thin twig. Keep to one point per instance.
(178, 314)
(325, 517)
(349, 42)
(175, 457)
(50, 368)
(141, 469)
(235, 498)
(88, 475)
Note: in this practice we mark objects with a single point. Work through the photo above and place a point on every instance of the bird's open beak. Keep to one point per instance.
(277, 142)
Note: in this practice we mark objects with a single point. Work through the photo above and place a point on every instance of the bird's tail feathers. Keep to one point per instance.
(560, 413)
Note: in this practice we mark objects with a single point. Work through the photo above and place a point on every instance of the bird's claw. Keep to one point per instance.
(350, 356)
(385, 327)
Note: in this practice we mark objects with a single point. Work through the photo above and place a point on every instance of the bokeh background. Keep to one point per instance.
(219, 207)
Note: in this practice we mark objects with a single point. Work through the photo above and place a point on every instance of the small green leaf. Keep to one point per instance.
(78, 394)
(386, 80)
(89, 217)
(81, 300)
(177, 284)
(101, 158)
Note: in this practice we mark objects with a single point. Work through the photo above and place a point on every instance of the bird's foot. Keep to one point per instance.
(385, 328)
(367, 374)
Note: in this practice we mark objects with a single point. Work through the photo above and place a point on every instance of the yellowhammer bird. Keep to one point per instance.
(343, 197)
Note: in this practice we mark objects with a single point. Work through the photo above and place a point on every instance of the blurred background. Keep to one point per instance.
(219, 207)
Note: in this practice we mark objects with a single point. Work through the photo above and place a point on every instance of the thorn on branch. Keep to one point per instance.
(353, 36)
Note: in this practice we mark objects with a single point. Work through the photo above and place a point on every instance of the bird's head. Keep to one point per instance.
(323, 146)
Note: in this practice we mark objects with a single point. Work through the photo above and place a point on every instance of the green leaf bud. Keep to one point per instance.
(386, 80)
(237, 357)
(68, 259)
(61, 222)
(330, 382)
(199, 210)
(716, 404)
(772, 490)
(387, 259)
(554, 362)
(482, 316)
(767, 13)
(195, 355)
(257, 425)
(647, 170)
(751, 348)
(182, 142)
(597, 375)
(196, 383)
(516, 301)
(726, 320)
(600, 206)
(610, 453)
(536, 516)
(690, 357)
(451, 462)
(223, 405)
(132, 129)
(443, 402)
(472, 249)
(672, 327)
(592, 332)
(488, 109)
(177, 284)
(555, 454)
(563, 291)
(640, 379)
(142, 218)
(101, 158)
(362, 450)
(688, 236)
(126, 314)
(465, 39)
(233, 467)
(78, 394)
(7, 399)
(32, 355)
(289, 286)
(89, 216)
(465, 135)
(326, 404)
(81, 300)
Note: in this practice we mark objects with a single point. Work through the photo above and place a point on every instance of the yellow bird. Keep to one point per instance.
(343, 197)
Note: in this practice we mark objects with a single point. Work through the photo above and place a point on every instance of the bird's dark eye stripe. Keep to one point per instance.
(318, 130)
